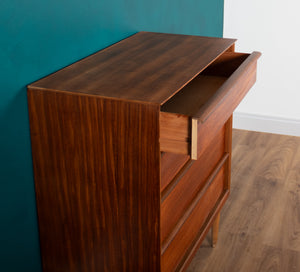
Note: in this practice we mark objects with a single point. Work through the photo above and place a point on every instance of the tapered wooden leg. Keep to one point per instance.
(215, 231)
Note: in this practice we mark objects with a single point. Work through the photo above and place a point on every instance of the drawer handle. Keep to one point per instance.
(194, 140)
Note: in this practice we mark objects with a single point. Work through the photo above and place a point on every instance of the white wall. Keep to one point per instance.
(273, 28)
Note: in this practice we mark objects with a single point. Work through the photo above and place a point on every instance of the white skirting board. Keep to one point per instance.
(268, 124)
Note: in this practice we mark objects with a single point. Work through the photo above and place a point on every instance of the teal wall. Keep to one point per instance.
(38, 37)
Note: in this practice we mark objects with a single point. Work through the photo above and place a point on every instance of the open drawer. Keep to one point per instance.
(190, 118)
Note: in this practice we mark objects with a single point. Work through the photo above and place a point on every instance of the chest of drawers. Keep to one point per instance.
(131, 151)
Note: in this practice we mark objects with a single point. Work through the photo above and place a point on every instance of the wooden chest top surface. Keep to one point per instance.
(146, 67)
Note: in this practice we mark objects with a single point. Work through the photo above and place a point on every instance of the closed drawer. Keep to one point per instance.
(171, 164)
(188, 235)
(190, 118)
(175, 204)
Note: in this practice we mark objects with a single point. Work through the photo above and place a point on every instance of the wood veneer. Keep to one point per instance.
(190, 184)
(171, 164)
(209, 100)
(191, 229)
(136, 62)
(90, 181)
(131, 151)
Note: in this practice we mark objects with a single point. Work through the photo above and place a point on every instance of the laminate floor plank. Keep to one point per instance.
(260, 223)
(294, 173)
(286, 220)
(277, 159)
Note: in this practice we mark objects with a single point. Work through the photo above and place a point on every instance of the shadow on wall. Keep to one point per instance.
(18, 228)
(19, 244)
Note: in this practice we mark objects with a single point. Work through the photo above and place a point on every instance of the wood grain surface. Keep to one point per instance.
(129, 69)
(177, 202)
(218, 83)
(226, 64)
(174, 133)
(188, 234)
(215, 231)
(171, 164)
(259, 226)
(107, 198)
(231, 93)
(213, 115)
(194, 95)
(210, 100)
(97, 177)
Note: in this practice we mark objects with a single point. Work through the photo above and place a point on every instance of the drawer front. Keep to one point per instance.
(175, 204)
(188, 235)
(171, 164)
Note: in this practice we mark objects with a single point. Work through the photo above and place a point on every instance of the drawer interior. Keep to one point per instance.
(196, 93)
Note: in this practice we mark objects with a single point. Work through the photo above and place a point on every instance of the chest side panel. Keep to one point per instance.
(96, 164)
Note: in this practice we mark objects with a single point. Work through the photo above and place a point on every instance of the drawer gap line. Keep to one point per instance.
(202, 232)
(193, 204)
(175, 180)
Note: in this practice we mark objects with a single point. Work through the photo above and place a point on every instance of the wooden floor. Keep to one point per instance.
(260, 224)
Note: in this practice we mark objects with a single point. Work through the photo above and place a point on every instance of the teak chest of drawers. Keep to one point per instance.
(131, 151)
